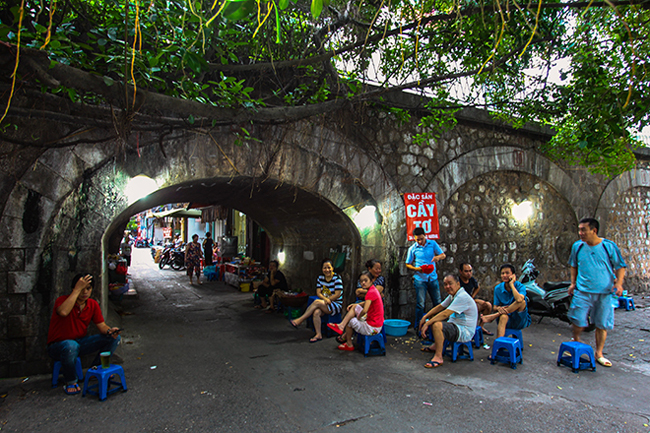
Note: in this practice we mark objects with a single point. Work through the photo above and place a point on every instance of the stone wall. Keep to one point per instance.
(629, 227)
(304, 183)
(477, 226)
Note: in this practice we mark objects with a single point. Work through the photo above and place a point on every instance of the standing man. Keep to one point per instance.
(472, 287)
(421, 258)
(597, 271)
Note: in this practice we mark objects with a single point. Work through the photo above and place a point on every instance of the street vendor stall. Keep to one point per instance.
(242, 274)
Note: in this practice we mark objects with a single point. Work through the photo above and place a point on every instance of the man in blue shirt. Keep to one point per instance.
(509, 303)
(597, 271)
(424, 253)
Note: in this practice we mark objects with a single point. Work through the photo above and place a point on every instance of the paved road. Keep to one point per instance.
(201, 359)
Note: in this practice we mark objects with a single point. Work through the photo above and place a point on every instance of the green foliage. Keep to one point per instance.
(493, 55)
(132, 225)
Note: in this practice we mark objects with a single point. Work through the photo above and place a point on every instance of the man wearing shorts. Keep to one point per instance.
(597, 271)
(461, 311)
(509, 302)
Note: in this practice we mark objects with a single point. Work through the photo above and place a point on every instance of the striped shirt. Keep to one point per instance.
(328, 289)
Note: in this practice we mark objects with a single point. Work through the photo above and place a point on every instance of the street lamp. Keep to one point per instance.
(366, 218)
(139, 187)
(522, 211)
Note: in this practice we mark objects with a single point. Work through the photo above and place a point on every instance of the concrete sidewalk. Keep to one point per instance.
(200, 358)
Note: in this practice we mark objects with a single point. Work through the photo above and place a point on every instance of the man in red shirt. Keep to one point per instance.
(67, 338)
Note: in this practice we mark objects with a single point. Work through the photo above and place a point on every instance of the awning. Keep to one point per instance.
(178, 213)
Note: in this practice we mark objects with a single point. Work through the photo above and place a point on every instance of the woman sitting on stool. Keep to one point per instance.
(366, 318)
(329, 289)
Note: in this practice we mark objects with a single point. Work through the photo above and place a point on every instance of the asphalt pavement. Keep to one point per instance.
(200, 358)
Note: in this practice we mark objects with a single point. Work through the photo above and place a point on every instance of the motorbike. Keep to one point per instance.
(551, 300)
(174, 257)
(178, 260)
(142, 243)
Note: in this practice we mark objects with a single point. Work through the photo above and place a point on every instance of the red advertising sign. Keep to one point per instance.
(421, 211)
(167, 232)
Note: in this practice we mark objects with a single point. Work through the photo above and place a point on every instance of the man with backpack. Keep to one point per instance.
(597, 271)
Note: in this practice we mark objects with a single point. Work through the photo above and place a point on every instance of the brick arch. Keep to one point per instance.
(483, 160)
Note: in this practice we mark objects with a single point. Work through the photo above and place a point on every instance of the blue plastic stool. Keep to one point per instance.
(457, 350)
(211, 276)
(626, 302)
(325, 319)
(57, 369)
(104, 382)
(517, 334)
(365, 344)
(478, 337)
(506, 350)
(574, 358)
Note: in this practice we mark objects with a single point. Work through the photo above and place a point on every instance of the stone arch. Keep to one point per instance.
(617, 186)
(624, 215)
(469, 165)
(62, 204)
(499, 240)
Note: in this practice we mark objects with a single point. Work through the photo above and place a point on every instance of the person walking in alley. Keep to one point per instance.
(193, 255)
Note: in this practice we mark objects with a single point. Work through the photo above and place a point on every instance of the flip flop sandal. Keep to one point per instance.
(345, 347)
(340, 339)
(432, 364)
(72, 389)
(315, 340)
(335, 328)
(604, 361)
(428, 349)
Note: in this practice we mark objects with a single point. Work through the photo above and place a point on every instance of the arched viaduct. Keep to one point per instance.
(63, 210)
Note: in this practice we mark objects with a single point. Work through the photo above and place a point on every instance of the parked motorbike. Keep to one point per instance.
(551, 300)
(142, 243)
(177, 260)
(174, 257)
(165, 257)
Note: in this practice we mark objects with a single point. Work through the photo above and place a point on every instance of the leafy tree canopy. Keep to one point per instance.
(579, 67)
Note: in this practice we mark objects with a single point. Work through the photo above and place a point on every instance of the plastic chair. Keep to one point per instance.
(478, 337)
(365, 344)
(104, 382)
(507, 350)
(574, 358)
(57, 369)
(517, 334)
(626, 302)
(457, 350)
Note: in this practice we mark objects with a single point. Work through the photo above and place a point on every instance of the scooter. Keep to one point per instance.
(165, 257)
(177, 260)
(553, 300)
